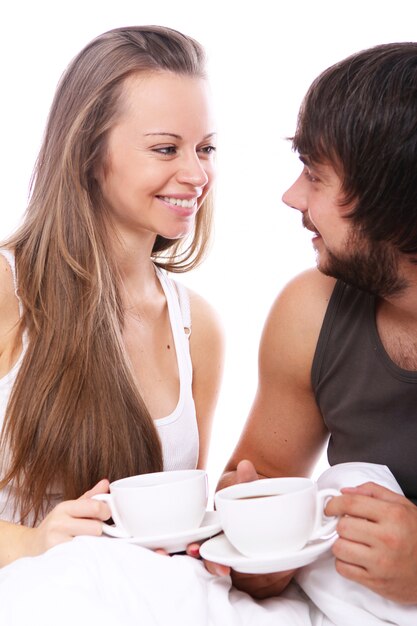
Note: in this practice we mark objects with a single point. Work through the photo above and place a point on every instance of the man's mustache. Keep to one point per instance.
(308, 224)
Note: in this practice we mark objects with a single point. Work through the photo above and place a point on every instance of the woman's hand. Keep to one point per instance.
(68, 519)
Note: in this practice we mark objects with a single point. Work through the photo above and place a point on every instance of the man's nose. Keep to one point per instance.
(296, 196)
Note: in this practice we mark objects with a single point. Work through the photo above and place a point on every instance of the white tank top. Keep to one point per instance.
(178, 432)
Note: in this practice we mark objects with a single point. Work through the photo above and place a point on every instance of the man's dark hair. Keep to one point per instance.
(360, 116)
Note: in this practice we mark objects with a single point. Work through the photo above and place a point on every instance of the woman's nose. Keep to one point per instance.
(193, 172)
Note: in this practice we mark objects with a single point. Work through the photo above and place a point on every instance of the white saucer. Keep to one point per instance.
(220, 550)
(178, 542)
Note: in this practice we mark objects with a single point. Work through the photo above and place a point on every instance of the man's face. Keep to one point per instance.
(342, 249)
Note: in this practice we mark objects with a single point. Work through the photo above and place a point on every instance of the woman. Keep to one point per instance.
(95, 340)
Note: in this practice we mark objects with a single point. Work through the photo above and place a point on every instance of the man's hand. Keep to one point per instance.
(377, 545)
(245, 472)
(257, 585)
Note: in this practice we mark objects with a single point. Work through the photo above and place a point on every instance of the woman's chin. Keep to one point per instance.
(177, 234)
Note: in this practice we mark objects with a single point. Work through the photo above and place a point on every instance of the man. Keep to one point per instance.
(338, 356)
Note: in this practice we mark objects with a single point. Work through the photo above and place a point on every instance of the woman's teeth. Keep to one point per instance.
(186, 204)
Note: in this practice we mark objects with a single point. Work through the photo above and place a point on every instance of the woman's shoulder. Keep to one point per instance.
(7, 283)
(207, 326)
(202, 311)
(9, 304)
(207, 345)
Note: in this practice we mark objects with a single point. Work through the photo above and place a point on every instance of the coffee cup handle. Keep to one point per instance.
(324, 526)
(117, 530)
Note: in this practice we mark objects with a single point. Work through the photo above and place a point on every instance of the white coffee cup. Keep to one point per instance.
(274, 515)
(160, 503)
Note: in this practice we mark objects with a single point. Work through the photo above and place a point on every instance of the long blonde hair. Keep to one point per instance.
(75, 414)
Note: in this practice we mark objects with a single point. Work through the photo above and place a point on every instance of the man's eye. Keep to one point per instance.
(310, 177)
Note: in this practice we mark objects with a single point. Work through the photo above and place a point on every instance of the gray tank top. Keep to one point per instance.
(368, 403)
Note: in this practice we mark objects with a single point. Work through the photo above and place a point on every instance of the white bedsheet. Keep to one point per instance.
(106, 582)
(344, 602)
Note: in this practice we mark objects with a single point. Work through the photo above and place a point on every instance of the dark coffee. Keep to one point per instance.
(268, 495)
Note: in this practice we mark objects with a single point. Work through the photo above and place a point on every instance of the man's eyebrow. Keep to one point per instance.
(319, 169)
(305, 160)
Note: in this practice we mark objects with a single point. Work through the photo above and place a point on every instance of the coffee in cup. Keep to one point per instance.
(274, 515)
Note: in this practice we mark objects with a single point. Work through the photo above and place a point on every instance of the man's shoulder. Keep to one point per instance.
(293, 325)
(312, 282)
(306, 296)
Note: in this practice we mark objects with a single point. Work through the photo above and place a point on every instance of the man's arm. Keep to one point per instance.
(285, 432)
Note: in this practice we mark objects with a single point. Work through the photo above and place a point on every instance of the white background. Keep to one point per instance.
(262, 57)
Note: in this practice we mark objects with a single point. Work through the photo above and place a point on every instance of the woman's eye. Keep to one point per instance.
(166, 150)
(208, 149)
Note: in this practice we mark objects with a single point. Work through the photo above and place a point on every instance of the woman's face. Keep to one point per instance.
(159, 161)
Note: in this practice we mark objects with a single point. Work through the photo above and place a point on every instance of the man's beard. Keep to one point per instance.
(371, 266)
